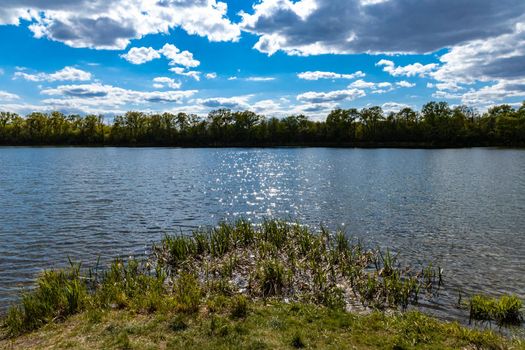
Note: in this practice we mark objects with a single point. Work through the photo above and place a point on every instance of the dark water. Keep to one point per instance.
(461, 209)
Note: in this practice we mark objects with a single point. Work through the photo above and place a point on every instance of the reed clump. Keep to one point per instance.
(58, 294)
(506, 310)
(289, 261)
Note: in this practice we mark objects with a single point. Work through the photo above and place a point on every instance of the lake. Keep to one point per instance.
(462, 209)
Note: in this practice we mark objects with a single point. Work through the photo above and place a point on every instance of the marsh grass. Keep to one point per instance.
(226, 271)
(507, 310)
(58, 294)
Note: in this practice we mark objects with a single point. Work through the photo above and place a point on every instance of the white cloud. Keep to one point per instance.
(111, 24)
(178, 58)
(361, 84)
(140, 55)
(495, 65)
(232, 78)
(65, 74)
(411, 70)
(7, 96)
(234, 103)
(260, 78)
(267, 107)
(498, 58)
(211, 76)
(493, 94)
(161, 82)
(187, 73)
(331, 96)
(316, 75)
(377, 88)
(99, 96)
(405, 84)
(394, 107)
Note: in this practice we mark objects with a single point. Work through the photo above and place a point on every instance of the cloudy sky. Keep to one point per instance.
(275, 57)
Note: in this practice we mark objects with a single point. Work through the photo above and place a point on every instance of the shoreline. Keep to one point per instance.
(237, 272)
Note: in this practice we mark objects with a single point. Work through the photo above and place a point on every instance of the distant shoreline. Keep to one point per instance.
(379, 145)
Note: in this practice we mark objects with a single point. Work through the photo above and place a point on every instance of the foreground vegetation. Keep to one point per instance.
(276, 285)
(272, 325)
(437, 124)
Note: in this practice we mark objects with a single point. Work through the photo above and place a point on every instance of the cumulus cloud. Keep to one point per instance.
(101, 96)
(411, 70)
(309, 27)
(161, 82)
(7, 96)
(140, 55)
(393, 107)
(187, 73)
(497, 63)
(211, 76)
(65, 74)
(331, 96)
(178, 58)
(362, 84)
(234, 103)
(495, 93)
(317, 75)
(405, 84)
(111, 24)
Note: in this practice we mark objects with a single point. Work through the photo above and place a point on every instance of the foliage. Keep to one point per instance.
(437, 124)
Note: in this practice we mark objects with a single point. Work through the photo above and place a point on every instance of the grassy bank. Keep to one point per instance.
(271, 325)
(276, 285)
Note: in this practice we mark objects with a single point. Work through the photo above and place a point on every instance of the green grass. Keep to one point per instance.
(277, 285)
(273, 325)
(504, 311)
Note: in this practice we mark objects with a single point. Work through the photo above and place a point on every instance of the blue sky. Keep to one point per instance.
(277, 57)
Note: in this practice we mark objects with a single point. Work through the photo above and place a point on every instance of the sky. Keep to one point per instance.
(275, 57)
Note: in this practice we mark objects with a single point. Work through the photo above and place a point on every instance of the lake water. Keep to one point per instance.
(462, 209)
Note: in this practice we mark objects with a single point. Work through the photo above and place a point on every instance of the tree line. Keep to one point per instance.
(436, 124)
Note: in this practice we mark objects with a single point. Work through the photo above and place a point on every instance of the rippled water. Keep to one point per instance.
(463, 209)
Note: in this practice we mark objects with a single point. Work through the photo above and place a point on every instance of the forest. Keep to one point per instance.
(437, 124)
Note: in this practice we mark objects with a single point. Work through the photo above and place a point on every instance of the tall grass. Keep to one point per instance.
(57, 295)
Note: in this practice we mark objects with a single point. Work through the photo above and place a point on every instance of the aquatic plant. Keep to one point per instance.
(504, 310)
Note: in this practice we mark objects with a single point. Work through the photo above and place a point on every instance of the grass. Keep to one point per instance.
(272, 325)
(238, 285)
(504, 311)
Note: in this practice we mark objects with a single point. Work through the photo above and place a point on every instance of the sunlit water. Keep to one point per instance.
(462, 209)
